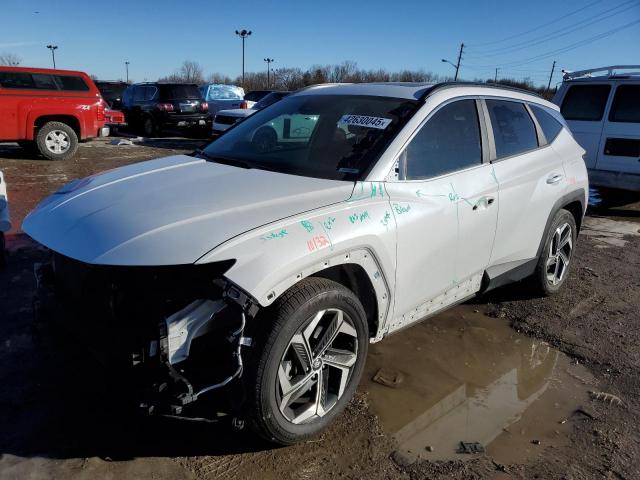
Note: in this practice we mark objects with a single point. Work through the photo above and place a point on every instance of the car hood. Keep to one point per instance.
(170, 211)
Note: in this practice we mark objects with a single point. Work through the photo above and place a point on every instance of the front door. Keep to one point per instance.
(445, 206)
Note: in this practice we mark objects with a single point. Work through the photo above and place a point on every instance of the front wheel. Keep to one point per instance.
(553, 265)
(309, 359)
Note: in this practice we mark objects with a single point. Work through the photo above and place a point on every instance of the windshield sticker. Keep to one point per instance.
(365, 121)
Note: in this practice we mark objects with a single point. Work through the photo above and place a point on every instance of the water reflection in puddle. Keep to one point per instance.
(466, 377)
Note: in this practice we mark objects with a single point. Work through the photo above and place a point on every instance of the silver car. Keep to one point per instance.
(223, 97)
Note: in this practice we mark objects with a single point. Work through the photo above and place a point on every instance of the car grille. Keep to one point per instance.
(226, 120)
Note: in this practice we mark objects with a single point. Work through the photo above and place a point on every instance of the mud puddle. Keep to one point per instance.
(465, 377)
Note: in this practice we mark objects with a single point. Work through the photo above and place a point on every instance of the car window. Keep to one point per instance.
(449, 141)
(513, 129)
(269, 99)
(149, 93)
(127, 96)
(71, 83)
(585, 102)
(179, 92)
(44, 82)
(16, 80)
(138, 93)
(626, 104)
(225, 92)
(335, 137)
(550, 126)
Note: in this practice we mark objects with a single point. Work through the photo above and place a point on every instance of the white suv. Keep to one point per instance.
(602, 108)
(263, 267)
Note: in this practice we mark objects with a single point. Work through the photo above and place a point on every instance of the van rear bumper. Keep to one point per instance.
(612, 179)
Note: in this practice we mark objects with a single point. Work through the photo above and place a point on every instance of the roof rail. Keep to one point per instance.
(568, 75)
(500, 86)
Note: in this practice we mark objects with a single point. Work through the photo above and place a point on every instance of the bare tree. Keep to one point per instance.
(10, 59)
(191, 72)
(219, 78)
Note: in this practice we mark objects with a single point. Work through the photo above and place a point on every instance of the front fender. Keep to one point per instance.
(271, 259)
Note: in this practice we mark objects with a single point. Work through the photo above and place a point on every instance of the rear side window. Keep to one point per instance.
(585, 102)
(16, 80)
(513, 129)
(72, 83)
(550, 126)
(44, 82)
(626, 104)
(449, 141)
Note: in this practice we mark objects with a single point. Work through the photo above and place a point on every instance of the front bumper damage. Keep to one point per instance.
(171, 337)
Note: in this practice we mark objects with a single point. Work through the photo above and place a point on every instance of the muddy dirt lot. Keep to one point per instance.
(540, 388)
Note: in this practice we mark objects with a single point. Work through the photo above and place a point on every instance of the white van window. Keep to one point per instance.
(626, 104)
(549, 125)
(513, 129)
(585, 102)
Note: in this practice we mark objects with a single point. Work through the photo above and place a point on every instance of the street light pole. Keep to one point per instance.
(126, 66)
(269, 61)
(243, 34)
(53, 54)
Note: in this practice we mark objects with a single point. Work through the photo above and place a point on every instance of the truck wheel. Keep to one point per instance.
(309, 358)
(57, 141)
(553, 265)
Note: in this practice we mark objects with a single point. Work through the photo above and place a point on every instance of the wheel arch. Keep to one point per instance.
(71, 120)
(574, 202)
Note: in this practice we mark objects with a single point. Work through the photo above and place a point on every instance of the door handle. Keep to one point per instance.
(553, 179)
(488, 200)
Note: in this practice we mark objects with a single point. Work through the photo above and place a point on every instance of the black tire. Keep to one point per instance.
(149, 128)
(539, 281)
(66, 131)
(290, 312)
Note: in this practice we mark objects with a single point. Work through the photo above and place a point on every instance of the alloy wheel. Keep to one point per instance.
(57, 141)
(316, 366)
(560, 250)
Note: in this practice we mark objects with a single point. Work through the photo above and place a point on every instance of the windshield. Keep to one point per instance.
(324, 136)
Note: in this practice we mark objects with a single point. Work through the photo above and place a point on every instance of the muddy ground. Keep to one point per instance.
(548, 388)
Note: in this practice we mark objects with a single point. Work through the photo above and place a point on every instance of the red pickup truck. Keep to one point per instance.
(51, 110)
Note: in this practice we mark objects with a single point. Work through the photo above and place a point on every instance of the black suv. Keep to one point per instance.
(155, 107)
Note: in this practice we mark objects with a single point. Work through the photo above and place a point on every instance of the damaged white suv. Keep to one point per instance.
(262, 265)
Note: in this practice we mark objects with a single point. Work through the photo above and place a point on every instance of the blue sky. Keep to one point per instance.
(156, 36)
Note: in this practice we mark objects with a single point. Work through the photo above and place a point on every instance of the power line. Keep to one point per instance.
(573, 46)
(562, 32)
(539, 26)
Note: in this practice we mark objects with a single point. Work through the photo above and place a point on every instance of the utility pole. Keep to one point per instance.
(243, 34)
(126, 66)
(269, 62)
(458, 64)
(553, 67)
(53, 54)
(495, 80)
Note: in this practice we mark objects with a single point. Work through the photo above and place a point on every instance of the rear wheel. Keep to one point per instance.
(149, 128)
(308, 362)
(553, 265)
(57, 141)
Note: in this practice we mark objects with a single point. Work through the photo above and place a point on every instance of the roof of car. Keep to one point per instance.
(408, 90)
(7, 68)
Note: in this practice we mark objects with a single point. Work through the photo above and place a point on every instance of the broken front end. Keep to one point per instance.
(172, 336)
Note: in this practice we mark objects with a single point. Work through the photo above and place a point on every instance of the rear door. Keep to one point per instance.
(620, 142)
(583, 107)
(531, 178)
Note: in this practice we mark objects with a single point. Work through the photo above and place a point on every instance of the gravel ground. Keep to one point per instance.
(57, 425)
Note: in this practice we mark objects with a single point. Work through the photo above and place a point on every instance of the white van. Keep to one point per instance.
(602, 108)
